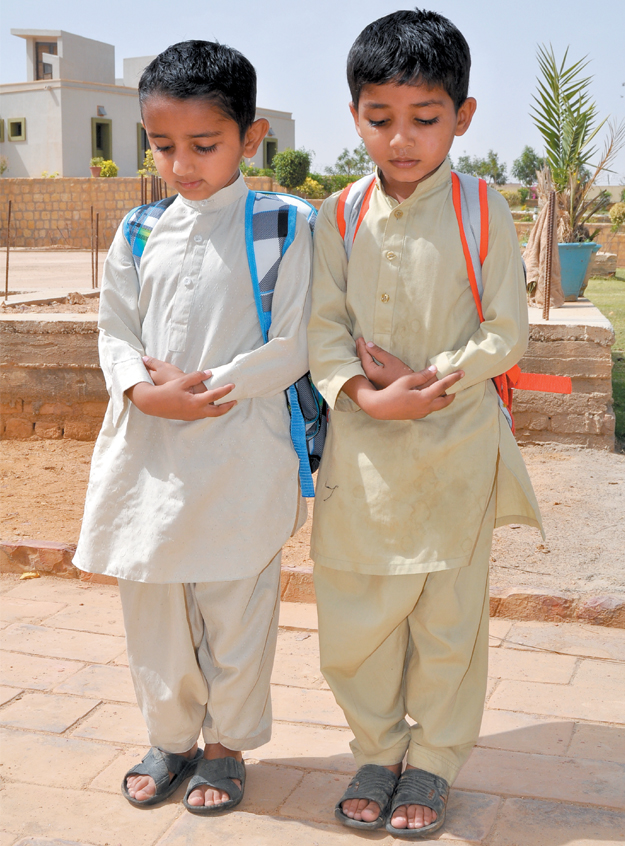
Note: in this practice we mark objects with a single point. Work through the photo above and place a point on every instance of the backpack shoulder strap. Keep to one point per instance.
(470, 199)
(139, 223)
(351, 208)
(270, 222)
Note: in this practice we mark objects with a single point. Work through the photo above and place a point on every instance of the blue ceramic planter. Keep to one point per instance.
(574, 261)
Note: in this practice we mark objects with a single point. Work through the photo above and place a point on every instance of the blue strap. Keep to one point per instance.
(298, 436)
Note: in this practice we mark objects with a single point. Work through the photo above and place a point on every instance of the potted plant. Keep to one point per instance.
(566, 117)
(95, 165)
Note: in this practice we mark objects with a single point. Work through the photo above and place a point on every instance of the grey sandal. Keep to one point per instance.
(158, 764)
(372, 782)
(218, 773)
(418, 787)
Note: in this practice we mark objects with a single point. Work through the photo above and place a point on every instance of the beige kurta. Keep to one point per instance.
(211, 499)
(409, 496)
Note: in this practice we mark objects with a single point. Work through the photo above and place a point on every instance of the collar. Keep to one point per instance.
(440, 178)
(225, 197)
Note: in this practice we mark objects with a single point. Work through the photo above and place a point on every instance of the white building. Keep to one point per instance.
(72, 108)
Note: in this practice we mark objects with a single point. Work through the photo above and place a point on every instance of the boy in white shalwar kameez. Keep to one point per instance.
(190, 500)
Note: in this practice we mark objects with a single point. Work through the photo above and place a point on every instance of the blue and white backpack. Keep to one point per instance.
(270, 221)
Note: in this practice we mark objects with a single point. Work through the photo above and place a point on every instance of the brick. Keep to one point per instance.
(78, 646)
(602, 611)
(297, 661)
(57, 408)
(98, 620)
(30, 671)
(298, 616)
(520, 732)
(544, 776)
(556, 700)
(81, 430)
(14, 407)
(13, 610)
(30, 758)
(295, 705)
(114, 723)
(6, 694)
(296, 585)
(41, 556)
(110, 777)
(96, 578)
(19, 429)
(93, 409)
(45, 712)
(526, 665)
(309, 747)
(100, 682)
(603, 743)
(68, 815)
(49, 431)
(569, 639)
(550, 823)
(535, 604)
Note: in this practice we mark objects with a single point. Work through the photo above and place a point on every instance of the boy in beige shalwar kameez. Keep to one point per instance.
(411, 484)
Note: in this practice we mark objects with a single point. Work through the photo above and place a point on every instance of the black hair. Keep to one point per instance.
(411, 47)
(207, 70)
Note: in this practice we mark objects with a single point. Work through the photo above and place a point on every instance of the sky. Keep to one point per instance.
(299, 51)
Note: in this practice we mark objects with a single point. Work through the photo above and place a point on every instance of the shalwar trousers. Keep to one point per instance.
(411, 646)
(201, 657)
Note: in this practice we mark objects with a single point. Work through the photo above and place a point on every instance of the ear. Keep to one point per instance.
(254, 136)
(354, 112)
(465, 115)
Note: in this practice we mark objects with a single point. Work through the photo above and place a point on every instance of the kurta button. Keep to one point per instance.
(390, 256)
(399, 213)
(188, 282)
(198, 239)
(385, 298)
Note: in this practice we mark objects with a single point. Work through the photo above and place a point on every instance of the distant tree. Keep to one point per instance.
(524, 168)
(489, 168)
(291, 167)
(356, 163)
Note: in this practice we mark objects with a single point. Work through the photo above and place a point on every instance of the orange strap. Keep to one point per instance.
(483, 221)
(544, 382)
(340, 210)
(455, 194)
(364, 207)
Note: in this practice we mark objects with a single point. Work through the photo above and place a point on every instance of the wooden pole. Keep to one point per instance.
(6, 281)
(92, 254)
(97, 246)
(549, 257)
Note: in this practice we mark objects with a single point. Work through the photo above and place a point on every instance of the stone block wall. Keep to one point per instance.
(51, 385)
(585, 416)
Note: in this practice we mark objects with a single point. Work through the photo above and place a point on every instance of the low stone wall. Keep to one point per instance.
(576, 341)
(51, 385)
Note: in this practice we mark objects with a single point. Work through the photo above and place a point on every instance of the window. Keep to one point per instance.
(44, 69)
(17, 129)
(270, 148)
(102, 138)
(142, 145)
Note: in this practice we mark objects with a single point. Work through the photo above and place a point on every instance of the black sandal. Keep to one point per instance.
(418, 787)
(372, 782)
(218, 773)
(158, 764)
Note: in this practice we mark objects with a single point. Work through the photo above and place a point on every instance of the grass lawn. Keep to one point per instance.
(608, 294)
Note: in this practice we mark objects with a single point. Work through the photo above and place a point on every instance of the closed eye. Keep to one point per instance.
(427, 122)
(207, 149)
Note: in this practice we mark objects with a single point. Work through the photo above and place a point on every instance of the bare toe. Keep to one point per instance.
(140, 787)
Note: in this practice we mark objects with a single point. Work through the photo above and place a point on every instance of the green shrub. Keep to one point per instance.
(4, 164)
(149, 168)
(291, 167)
(312, 189)
(332, 182)
(513, 198)
(109, 168)
(524, 194)
(617, 215)
(96, 161)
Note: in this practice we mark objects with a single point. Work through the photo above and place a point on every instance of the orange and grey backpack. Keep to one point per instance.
(470, 199)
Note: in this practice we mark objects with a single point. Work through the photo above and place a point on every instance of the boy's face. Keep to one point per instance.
(408, 131)
(197, 148)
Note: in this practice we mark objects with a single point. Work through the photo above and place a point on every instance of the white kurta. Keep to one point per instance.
(212, 499)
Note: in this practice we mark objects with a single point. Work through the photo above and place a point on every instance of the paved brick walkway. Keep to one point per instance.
(549, 769)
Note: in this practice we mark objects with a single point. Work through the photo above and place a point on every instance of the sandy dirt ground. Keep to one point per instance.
(581, 493)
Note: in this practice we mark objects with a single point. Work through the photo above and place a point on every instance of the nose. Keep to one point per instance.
(182, 164)
(403, 138)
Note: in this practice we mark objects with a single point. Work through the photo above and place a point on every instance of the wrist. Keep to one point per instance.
(139, 394)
